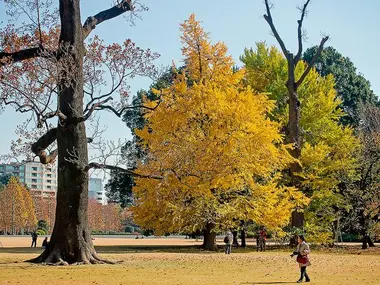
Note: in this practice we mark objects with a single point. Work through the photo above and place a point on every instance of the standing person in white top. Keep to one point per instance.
(228, 241)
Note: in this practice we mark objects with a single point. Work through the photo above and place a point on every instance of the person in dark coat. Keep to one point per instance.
(34, 239)
(302, 253)
(45, 243)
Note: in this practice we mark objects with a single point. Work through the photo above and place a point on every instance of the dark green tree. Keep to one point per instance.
(351, 86)
(119, 187)
(4, 179)
(363, 194)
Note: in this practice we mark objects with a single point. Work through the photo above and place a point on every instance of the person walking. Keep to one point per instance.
(228, 241)
(34, 239)
(302, 253)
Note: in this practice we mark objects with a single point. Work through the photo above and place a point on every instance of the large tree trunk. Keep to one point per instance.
(209, 240)
(294, 138)
(71, 238)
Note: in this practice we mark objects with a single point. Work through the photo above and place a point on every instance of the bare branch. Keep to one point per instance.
(300, 22)
(112, 167)
(39, 147)
(20, 108)
(94, 107)
(91, 22)
(310, 66)
(122, 110)
(268, 18)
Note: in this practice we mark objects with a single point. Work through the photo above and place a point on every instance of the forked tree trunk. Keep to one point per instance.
(294, 138)
(293, 133)
(209, 240)
(71, 238)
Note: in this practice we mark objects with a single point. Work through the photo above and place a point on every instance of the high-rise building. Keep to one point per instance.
(96, 190)
(40, 179)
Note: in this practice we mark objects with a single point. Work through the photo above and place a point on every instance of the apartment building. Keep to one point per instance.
(40, 179)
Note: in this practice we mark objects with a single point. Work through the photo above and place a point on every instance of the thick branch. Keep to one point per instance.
(300, 21)
(94, 165)
(310, 66)
(39, 147)
(268, 18)
(20, 55)
(91, 22)
(41, 119)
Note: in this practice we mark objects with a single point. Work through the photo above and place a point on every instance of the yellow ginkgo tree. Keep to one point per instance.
(213, 155)
(16, 208)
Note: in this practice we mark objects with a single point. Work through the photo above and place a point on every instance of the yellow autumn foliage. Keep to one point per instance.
(16, 208)
(215, 155)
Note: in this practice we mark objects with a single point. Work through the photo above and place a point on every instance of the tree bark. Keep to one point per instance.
(209, 240)
(235, 238)
(370, 242)
(71, 238)
(243, 241)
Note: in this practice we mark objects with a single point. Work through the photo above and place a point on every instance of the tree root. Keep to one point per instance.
(55, 258)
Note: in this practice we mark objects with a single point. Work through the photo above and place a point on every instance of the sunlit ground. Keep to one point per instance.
(179, 261)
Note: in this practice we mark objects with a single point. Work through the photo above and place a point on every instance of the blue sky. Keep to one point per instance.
(352, 26)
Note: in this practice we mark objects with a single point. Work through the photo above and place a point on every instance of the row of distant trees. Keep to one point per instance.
(20, 212)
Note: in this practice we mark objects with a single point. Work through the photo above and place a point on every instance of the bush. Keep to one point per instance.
(129, 229)
(147, 232)
(350, 237)
(41, 232)
(42, 225)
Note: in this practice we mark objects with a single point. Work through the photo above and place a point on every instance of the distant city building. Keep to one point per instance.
(96, 190)
(40, 179)
(13, 169)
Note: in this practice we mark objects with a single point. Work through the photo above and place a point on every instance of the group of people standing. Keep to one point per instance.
(302, 252)
(45, 242)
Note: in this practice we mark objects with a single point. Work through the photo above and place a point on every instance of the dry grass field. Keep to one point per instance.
(179, 261)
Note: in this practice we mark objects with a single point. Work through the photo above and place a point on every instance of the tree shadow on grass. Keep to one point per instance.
(21, 250)
(272, 282)
(122, 249)
(119, 249)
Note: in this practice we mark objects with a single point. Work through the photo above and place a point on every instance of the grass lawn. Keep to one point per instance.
(186, 264)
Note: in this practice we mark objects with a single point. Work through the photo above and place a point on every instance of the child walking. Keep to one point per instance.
(302, 253)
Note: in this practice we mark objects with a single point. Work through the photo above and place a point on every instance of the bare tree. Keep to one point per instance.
(47, 69)
(292, 84)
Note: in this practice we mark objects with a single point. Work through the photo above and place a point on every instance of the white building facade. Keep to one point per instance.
(96, 190)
